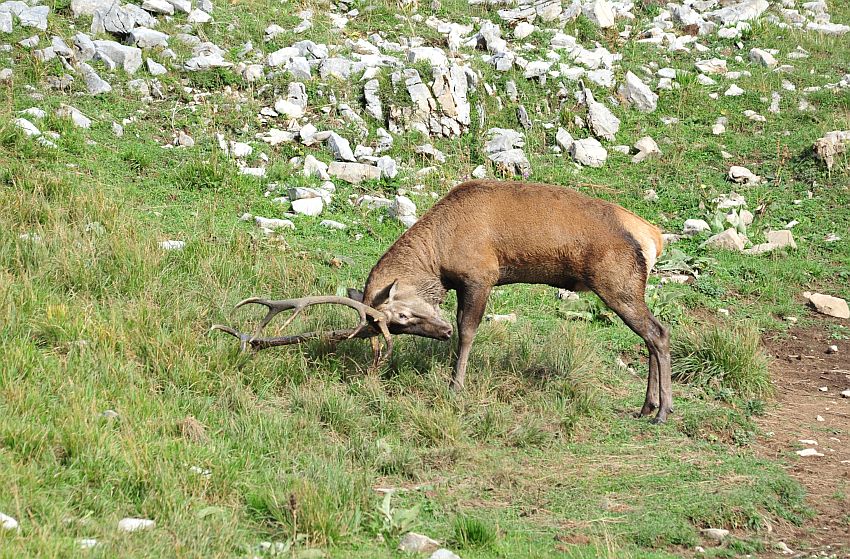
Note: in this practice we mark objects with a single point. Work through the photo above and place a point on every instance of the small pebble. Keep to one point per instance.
(809, 452)
(824, 389)
(135, 524)
(832, 349)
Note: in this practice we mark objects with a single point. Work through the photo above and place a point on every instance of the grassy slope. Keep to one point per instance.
(542, 443)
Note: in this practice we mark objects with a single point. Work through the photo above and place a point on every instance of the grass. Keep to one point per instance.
(717, 357)
(540, 456)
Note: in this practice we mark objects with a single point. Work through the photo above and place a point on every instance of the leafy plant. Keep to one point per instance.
(390, 521)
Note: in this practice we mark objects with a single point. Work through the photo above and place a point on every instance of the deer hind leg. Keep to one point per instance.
(631, 308)
(471, 302)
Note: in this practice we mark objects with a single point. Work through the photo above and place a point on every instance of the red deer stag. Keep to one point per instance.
(488, 233)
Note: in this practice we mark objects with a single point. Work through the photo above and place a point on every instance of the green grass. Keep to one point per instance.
(541, 447)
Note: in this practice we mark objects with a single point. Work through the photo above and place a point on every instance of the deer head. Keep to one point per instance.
(407, 311)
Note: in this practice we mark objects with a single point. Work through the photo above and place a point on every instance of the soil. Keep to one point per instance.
(801, 368)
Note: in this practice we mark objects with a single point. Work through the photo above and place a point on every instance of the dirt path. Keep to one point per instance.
(801, 368)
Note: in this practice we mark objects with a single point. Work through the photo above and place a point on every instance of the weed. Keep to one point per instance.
(718, 358)
(473, 532)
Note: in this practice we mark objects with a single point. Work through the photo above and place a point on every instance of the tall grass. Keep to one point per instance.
(719, 357)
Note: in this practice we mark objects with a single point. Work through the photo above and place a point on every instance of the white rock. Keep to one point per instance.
(646, 147)
(831, 145)
(443, 554)
(5, 22)
(135, 524)
(522, 30)
(144, 38)
(761, 56)
(809, 452)
(354, 173)
(742, 175)
(716, 534)
(79, 119)
(745, 10)
(155, 68)
(27, 127)
(199, 16)
(601, 13)
(733, 91)
(711, 66)
(331, 224)
(340, 148)
(172, 245)
(695, 227)
(240, 150)
(588, 151)
(845, 394)
(728, 240)
(308, 206)
(564, 139)
(603, 123)
(158, 7)
(8, 523)
(271, 223)
(637, 93)
(417, 543)
(828, 305)
(86, 543)
(128, 58)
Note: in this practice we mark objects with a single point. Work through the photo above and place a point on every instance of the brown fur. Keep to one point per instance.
(487, 233)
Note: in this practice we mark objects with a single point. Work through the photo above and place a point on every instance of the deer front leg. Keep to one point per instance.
(652, 401)
(472, 300)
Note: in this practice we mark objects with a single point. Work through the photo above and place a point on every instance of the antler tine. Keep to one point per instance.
(275, 307)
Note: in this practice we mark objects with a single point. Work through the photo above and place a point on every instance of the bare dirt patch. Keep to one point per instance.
(801, 369)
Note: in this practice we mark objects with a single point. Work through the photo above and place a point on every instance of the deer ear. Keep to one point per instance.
(355, 294)
(392, 292)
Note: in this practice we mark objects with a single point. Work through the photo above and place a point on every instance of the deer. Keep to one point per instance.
(486, 233)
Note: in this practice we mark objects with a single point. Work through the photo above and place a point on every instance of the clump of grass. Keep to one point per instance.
(718, 357)
(471, 532)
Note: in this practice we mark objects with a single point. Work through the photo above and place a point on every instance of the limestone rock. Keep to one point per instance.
(354, 173)
(831, 145)
(828, 305)
(728, 240)
(638, 94)
(646, 147)
(588, 151)
(417, 543)
(742, 175)
(128, 58)
(762, 57)
(135, 524)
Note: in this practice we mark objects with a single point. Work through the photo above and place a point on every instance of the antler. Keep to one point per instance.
(362, 330)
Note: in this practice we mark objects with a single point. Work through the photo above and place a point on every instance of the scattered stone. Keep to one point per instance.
(828, 305)
(135, 524)
(144, 38)
(646, 147)
(353, 173)
(831, 145)
(783, 548)
(727, 240)
(733, 91)
(479, 172)
(719, 126)
(374, 107)
(716, 534)
(172, 245)
(522, 30)
(564, 139)
(5, 75)
(745, 10)
(762, 57)
(601, 13)
(832, 349)
(308, 206)
(404, 210)
(5, 22)
(635, 92)
(35, 16)
(742, 175)
(157, 7)
(86, 543)
(199, 16)
(331, 224)
(273, 224)
(511, 318)
(340, 148)
(184, 140)
(845, 394)
(711, 66)
(600, 119)
(27, 127)
(8, 523)
(79, 119)
(128, 58)
(430, 151)
(155, 68)
(589, 152)
(809, 452)
(443, 554)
